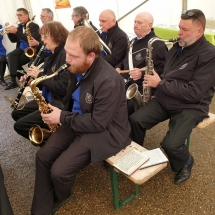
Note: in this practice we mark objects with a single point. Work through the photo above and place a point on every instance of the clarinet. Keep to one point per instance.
(35, 63)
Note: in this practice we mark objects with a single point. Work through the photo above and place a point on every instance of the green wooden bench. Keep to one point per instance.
(138, 177)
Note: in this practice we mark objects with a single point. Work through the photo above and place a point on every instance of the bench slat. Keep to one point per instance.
(207, 121)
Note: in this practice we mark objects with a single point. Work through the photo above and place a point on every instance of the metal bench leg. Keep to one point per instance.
(114, 185)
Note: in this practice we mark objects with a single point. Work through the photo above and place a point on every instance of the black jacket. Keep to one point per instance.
(58, 84)
(159, 53)
(34, 29)
(189, 78)
(117, 41)
(104, 108)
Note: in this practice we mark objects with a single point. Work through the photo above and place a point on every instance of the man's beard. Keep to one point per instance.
(80, 69)
(188, 41)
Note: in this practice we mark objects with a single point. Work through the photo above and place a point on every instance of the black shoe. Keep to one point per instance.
(185, 172)
(11, 85)
(58, 205)
(3, 83)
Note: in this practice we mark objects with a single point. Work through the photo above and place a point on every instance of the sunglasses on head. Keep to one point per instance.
(192, 14)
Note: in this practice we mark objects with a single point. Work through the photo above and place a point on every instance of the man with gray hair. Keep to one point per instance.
(143, 23)
(79, 14)
(115, 38)
(46, 15)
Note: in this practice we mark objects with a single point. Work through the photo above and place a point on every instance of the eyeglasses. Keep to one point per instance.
(74, 15)
(45, 35)
(41, 16)
(191, 14)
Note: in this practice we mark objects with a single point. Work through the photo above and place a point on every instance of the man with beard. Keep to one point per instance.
(183, 95)
(93, 123)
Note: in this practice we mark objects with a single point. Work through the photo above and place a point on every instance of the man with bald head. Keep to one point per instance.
(115, 39)
(143, 29)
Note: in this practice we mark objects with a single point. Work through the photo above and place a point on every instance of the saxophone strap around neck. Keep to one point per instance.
(130, 60)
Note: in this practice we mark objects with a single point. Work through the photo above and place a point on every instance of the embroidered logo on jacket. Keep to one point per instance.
(88, 98)
(183, 66)
(138, 56)
(110, 45)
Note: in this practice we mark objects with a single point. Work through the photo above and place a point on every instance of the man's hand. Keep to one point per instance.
(151, 80)
(12, 29)
(135, 74)
(118, 70)
(53, 117)
(33, 42)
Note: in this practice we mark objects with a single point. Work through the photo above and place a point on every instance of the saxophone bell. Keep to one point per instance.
(134, 94)
(38, 135)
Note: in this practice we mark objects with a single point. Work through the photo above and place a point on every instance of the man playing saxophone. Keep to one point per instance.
(93, 120)
(17, 57)
(54, 35)
(183, 95)
(136, 56)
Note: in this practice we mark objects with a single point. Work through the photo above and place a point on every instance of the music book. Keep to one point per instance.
(156, 156)
(131, 161)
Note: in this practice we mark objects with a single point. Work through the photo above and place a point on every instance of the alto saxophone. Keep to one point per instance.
(132, 92)
(30, 51)
(38, 135)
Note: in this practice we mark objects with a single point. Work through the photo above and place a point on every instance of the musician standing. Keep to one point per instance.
(115, 38)
(183, 95)
(54, 35)
(137, 53)
(3, 60)
(94, 126)
(17, 57)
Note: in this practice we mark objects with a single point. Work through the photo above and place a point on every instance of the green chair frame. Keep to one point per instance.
(114, 176)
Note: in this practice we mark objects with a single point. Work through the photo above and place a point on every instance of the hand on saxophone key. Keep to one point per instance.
(151, 80)
(53, 117)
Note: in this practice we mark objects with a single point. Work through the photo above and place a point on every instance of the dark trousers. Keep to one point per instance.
(27, 117)
(57, 163)
(16, 59)
(3, 63)
(5, 207)
(180, 127)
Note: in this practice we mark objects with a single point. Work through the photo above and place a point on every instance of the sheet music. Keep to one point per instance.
(156, 156)
(131, 161)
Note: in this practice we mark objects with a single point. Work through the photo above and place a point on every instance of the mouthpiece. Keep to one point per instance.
(174, 39)
(63, 67)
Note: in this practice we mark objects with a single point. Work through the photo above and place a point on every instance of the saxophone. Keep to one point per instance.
(38, 135)
(30, 51)
(132, 92)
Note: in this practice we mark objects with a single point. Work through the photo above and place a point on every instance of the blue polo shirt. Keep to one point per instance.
(76, 97)
(23, 44)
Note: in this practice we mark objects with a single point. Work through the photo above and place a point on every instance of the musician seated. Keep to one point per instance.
(79, 13)
(115, 38)
(93, 123)
(182, 96)
(46, 16)
(17, 57)
(54, 35)
(3, 60)
(137, 53)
